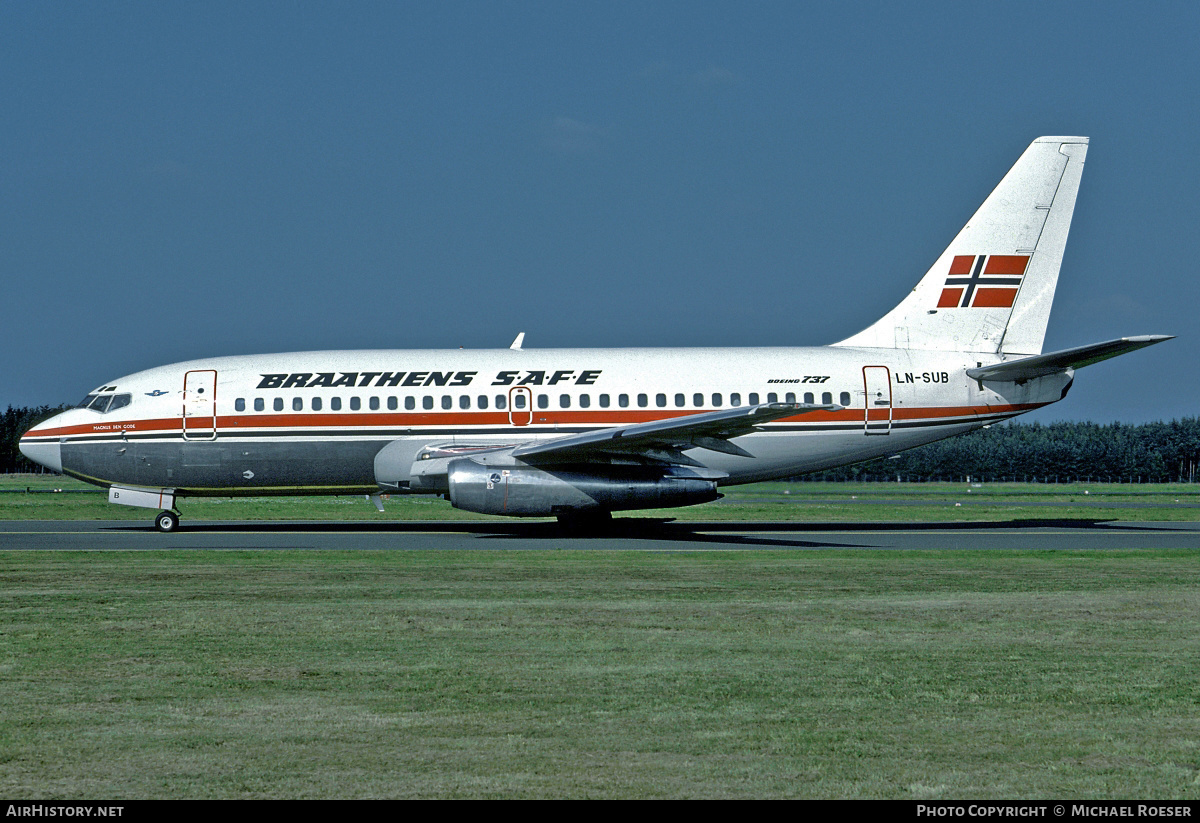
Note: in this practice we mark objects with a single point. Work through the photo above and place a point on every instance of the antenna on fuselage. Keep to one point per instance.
(516, 344)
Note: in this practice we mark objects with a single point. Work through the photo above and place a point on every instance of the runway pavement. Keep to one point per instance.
(631, 534)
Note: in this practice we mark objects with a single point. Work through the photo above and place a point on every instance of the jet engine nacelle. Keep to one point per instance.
(527, 491)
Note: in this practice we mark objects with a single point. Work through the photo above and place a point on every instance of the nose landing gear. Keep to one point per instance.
(167, 522)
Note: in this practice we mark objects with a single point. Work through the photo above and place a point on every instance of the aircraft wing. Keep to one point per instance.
(1028, 368)
(666, 439)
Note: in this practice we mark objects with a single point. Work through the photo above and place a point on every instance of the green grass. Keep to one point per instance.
(915, 675)
(814, 501)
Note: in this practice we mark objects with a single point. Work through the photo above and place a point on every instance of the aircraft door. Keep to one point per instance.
(877, 381)
(200, 405)
(520, 406)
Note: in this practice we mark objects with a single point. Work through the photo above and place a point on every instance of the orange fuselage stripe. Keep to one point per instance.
(541, 417)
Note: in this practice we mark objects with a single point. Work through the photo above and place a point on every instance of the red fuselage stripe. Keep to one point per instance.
(464, 419)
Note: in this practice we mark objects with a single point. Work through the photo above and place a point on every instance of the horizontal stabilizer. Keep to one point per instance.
(1028, 368)
(710, 430)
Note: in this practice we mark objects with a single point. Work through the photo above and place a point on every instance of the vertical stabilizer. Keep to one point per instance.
(992, 288)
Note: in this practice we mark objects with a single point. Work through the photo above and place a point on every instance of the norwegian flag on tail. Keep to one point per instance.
(983, 281)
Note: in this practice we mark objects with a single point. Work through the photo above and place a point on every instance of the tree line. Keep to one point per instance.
(1058, 452)
(1055, 453)
(14, 423)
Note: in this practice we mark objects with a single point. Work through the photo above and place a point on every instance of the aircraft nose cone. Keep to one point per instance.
(45, 452)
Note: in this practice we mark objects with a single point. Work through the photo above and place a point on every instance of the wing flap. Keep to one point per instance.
(709, 430)
(1041, 365)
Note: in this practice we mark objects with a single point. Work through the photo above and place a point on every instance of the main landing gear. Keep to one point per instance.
(167, 522)
(593, 521)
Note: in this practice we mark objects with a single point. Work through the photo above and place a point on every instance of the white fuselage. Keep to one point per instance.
(584, 432)
(315, 422)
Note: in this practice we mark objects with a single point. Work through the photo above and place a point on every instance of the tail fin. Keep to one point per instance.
(991, 289)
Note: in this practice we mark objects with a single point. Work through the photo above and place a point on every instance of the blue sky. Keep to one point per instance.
(187, 180)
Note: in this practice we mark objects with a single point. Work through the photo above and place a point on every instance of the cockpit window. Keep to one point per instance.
(105, 402)
(95, 402)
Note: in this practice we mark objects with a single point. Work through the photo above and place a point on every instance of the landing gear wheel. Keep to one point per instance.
(167, 522)
(586, 522)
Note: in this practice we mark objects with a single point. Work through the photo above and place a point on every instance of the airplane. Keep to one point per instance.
(580, 433)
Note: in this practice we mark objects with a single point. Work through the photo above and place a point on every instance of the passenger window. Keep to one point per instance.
(680, 400)
(427, 402)
(464, 401)
(585, 400)
(826, 398)
(564, 401)
(543, 401)
(772, 397)
(447, 401)
(410, 402)
(717, 399)
(604, 401)
(335, 403)
(643, 401)
(239, 404)
(501, 402)
(519, 400)
(808, 397)
(278, 404)
(482, 401)
(623, 400)
(373, 403)
(259, 405)
(845, 399)
(753, 398)
(660, 400)
(735, 399)
(297, 404)
(393, 404)
(355, 404)
(316, 404)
